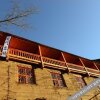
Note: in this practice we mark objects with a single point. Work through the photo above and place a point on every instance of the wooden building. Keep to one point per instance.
(32, 71)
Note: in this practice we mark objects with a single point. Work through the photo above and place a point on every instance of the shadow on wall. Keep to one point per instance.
(40, 98)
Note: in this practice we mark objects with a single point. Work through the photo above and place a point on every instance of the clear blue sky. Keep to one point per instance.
(69, 25)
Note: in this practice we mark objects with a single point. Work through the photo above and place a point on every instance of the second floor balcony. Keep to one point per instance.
(20, 55)
(76, 68)
(54, 63)
(35, 58)
(23, 56)
(27, 51)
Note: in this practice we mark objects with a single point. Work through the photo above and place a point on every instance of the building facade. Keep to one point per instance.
(32, 71)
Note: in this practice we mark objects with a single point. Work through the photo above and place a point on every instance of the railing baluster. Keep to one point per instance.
(93, 71)
(53, 61)
(78, 67)
(24, 54)
(74, 67)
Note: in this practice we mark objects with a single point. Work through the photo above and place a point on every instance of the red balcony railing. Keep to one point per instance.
(18, 54)
(93, 71)
(0, 50)
(54, 62)
(76, 68)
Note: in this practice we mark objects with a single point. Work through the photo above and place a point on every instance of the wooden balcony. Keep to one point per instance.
(76, 68)
(93, 72)
(23, 56)
(0, 50)
(54, 63)
(20, 55)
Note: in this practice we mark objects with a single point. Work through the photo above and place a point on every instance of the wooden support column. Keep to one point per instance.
(65, 61)
(96, 66)
(84, 66)
(41, 56)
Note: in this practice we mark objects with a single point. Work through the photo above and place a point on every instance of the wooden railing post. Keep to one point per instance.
(41, 56)
(96, 66)
(84, 66)
(65, 61)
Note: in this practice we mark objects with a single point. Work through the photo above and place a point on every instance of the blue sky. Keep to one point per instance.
(69, 25)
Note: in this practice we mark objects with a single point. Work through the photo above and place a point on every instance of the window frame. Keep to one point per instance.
(25, 74)
(80, 81)
(57, 79)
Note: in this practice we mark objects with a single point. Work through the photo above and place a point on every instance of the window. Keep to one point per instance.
(80, 81)
(57, 79)
(25, 75)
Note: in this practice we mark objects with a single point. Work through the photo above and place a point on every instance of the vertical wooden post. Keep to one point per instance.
(84, 66)
(41, 56)
(96, 66)
(65, 61)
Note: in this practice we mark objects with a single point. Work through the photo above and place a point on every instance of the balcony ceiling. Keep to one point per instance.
(72, 59)
(51, 53)
(88, 63)
(24, 45)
